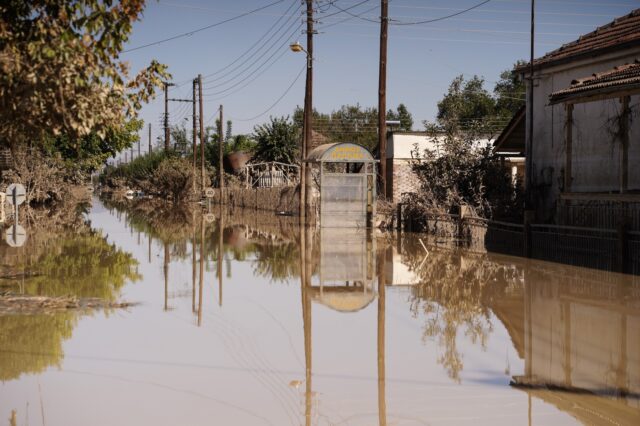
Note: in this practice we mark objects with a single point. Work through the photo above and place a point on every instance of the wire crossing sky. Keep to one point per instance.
(241, 48)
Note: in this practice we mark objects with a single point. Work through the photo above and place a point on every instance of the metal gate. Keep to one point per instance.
(343, 200)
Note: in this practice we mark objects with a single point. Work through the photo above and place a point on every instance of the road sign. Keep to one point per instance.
(16, 235)
(209, 192)
(209, 217)
(16, 194)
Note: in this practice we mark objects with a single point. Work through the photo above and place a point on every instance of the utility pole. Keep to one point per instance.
(382, 95)
(138, 147)
(195, 128)
(150, 138)
(308, 115)
(220, 154)
(201, 131)
(529, 138)
(166, 116)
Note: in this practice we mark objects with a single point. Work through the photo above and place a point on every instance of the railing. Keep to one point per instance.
(602, 211)
(271, 174)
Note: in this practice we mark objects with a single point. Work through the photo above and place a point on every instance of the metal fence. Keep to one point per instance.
(269, 175)
(600, 214)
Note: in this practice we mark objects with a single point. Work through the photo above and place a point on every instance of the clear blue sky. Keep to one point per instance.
(423, 59)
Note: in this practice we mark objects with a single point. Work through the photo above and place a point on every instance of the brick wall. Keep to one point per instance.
(403, 179)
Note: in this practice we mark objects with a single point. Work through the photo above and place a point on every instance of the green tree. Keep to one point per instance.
(403, 115)
(61, 71)
(179, 138)
(277, 140)
(509, 92)
(466, 105)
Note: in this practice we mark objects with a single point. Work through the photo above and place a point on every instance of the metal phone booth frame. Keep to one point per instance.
(347, 181)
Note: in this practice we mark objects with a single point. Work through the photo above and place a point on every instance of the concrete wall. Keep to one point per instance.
(595, 152)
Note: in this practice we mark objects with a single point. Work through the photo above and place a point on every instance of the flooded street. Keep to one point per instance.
(262, 324)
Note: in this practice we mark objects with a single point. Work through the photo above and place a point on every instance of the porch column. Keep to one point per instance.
(568, 140)
(624, 145)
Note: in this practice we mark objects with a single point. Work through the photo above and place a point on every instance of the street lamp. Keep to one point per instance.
(297, 48)
(306, 140)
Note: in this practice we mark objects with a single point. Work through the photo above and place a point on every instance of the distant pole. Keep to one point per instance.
(201, 131)
(529, 139)
(126, 158)
(150, 138)
(166, 117)
(308, 114)
(382, 95)
(138, 147)
(195, 126)
(220, 154)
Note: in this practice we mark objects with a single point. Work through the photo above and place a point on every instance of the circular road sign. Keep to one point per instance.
(16, 194)
(209, 192)
(16, 236)
(209, 217)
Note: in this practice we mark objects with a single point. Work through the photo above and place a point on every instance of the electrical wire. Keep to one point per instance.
(442, 18)
(266, 63)
(192, 32)
(285, 35)
(261, 38)
(278, 100)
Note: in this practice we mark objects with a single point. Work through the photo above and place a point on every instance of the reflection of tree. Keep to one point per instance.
(32, 343)
(82, 265)
(278, 262)
(456, 292)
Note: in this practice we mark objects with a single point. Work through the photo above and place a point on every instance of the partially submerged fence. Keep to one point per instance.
(615, 249)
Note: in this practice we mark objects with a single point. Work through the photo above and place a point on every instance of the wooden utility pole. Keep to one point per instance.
(138, 147)
(220, 155)
(201, 131)
(529, 139)
(166, 117)
(382, 95)
(195, 128)
(308, 115)
(150, 149)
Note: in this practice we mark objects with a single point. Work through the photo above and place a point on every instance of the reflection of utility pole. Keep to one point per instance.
(165, 269)
(306, 320)
(150, 248)
(220, 250)
(382, 402)
(194, 248)
(382, 96)
(201, 279)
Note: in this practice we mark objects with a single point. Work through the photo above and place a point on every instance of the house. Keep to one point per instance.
(586, 138)
(510, 146)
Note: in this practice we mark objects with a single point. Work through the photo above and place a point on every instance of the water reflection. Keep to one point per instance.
(393, 328)
(55, 261)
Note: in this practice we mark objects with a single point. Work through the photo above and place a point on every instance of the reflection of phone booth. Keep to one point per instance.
(347, 180)
(349, 265)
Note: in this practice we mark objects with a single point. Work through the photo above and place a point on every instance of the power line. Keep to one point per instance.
(278, 100)
(261, 38)
(190, 33)
(442, 18)
(254, 71)
(257, 59)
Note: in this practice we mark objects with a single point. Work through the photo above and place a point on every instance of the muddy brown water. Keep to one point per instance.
(245, 320)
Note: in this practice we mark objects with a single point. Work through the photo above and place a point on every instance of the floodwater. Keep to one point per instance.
(262, 324)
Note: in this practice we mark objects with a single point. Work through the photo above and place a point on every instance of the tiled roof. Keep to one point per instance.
(622, 32)
(620, 78)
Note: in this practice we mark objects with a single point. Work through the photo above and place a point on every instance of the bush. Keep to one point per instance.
(464, 174)
(175, 178)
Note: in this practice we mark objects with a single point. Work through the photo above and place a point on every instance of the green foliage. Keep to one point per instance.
(61, 72)
(135, 173)
(403, 115)
(179, 139)
(466, 105)
(510, 92)
(175, 178)
(89, 152)
(278, 140)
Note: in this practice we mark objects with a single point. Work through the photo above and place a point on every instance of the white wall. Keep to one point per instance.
(595, 155)
(401, 145)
